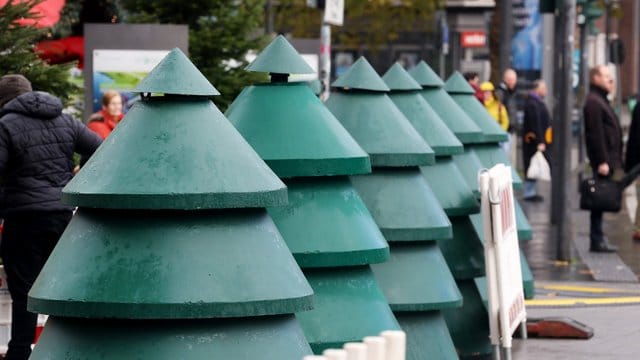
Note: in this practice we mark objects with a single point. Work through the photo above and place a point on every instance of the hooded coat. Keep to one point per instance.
(37, 142)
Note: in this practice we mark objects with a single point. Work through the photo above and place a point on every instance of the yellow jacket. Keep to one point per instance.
(498, 111)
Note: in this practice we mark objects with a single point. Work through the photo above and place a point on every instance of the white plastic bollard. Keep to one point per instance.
(356, 351)
(314, 357)
(335, 354)
(396, 344)
(376, 347)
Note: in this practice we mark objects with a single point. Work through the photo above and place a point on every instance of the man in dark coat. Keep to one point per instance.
(632, 159)
(505, 92)
(603, 137)
(536, 134)
(37, 142)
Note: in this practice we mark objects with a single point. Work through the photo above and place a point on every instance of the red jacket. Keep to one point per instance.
(102, 123)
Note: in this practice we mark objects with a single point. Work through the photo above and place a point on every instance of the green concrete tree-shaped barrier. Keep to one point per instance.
(326, 224)
(416, 280)
(172, 254)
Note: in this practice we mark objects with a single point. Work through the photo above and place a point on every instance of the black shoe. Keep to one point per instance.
(534, 198)
(603, 247)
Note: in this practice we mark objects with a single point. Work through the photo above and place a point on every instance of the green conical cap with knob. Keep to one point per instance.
(361, 76)
(176, 75)
(457, 84)
(280, 57)
(398, 79)
(175, 153)
(425, 76)
(405, 94)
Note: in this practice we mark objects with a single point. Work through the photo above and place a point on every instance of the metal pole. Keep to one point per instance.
(506, 35)
(325, 61)
(269, 17)
(607, 29)
(565, 23)
(584, 82)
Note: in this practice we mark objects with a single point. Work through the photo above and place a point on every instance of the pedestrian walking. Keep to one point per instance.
(37, 143)
(536, 134)
(632, 159)
(603, 138)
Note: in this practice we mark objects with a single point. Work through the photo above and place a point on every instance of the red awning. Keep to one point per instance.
(49, 10)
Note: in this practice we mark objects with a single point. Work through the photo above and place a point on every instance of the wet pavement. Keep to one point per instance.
(569, 289)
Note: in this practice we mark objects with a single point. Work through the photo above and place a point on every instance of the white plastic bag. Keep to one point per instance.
(539, 168)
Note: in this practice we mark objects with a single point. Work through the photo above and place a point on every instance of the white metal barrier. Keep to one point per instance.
(390, 345)
(502, 258)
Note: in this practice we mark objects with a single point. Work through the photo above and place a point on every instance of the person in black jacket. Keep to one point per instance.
(536, 134)
(632, 159)
(603, 138)
(37, 142)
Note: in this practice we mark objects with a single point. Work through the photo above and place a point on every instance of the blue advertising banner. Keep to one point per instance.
(526, 46)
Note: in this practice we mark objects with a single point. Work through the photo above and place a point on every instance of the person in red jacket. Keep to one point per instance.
(105, 120)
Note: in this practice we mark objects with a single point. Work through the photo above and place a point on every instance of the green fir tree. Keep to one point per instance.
(221, 34)
(17, 52)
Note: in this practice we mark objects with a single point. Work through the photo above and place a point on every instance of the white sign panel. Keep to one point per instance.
(334, 12)
(502, 255)
(127, 60)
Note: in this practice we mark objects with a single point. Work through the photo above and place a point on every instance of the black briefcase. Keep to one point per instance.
(601, 193)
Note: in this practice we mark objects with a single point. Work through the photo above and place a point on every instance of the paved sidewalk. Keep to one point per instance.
(611, 308)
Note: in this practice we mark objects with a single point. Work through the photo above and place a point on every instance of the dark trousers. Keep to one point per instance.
(27, 242)
(596, 235)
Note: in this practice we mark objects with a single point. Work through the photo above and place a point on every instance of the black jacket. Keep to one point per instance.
(633, 143)
(507, 97)
(603, 135)
(37, 143)
(536, 123)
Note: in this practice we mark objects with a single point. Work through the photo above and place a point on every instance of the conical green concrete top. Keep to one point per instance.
(398, 79)
(421, 115)
(361, 76)
(175, 153)
(279, 57)
(176, 75)
(457, 84)
(425, 76)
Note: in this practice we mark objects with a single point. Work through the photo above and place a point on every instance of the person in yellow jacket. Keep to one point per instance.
(493, 105)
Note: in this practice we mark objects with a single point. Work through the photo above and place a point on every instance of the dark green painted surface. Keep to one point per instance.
(492, 154)
(268, 338)
(167, 265)
(397, 78)
(175, 155)
(469, 325)
(528, 284)
(327, 224)
(349, 305)
(457, 84)
(176, 75)
(361, 76)
(491, 130)
(280, 57)
(465, 252)
(428, 337)
(427, 122)
(449, 186)
(525, 232)
(403, 205)
(453, 116)
(416, 278)
(380, 128)
(294, 133)
(425, 76)
(469, 164)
